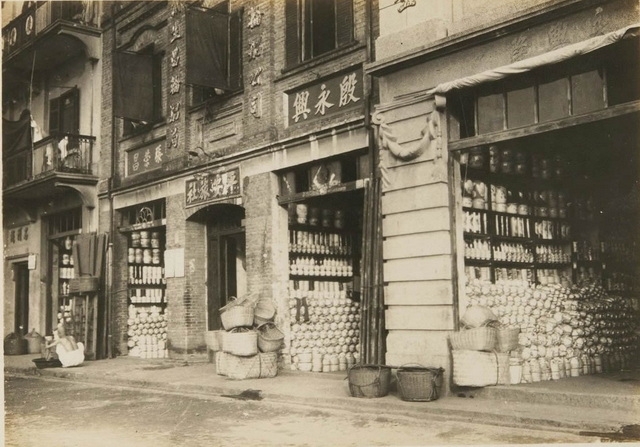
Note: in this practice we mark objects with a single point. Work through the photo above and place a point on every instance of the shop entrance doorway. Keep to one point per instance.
(21, 277)
(227, 274)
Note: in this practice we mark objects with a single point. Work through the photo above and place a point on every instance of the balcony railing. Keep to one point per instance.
(55, 154)
(35, 20)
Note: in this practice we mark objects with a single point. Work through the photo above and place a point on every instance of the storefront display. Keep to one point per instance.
(323, 249)
(147, 325)
(550, 243)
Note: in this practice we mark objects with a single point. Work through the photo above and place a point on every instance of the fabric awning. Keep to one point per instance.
(16, 135)
(207, 41)
(133, 86)
(526, 65)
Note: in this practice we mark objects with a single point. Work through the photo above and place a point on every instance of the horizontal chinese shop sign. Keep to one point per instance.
(212, 186)
(325, 98)
(146, 158)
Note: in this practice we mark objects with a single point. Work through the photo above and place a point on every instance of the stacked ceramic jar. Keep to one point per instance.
(147, 331)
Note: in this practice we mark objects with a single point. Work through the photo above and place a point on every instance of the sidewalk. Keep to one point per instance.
(603, 403)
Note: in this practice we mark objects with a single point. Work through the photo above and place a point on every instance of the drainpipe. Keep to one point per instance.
(110, 263)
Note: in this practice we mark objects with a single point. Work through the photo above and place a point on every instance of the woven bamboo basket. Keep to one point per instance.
(213, 339)
(241, 368)
(221, 363)
(507, 339)
(478, 369)
(477, 339)
(477, 316)
(268, 364)
(270, 338)
(369, 380)
(419, 383)
(240, 343)
(236, 315)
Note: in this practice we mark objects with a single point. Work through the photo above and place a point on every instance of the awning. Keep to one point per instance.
(526, 65)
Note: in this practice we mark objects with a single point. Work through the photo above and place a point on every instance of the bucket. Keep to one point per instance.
(369, 380)
(34, 342)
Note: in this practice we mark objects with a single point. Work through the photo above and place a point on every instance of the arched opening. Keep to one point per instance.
(226, 257)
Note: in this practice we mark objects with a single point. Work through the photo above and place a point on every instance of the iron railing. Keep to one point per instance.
(56, 153)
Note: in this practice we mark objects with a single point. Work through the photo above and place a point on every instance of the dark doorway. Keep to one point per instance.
(226, 260)
(21, 279)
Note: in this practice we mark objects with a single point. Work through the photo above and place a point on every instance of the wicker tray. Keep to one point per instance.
(419, 383)
(478, 369)
(477, 339)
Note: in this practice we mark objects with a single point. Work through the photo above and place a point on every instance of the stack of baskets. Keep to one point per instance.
(243, 351)
(481, 350)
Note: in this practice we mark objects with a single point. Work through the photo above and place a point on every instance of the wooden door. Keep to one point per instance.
(21, 278)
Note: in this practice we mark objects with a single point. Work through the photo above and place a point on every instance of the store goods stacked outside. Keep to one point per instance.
(248, 347)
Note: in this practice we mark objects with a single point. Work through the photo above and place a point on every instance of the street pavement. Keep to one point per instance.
(605, 405)
(52, 412)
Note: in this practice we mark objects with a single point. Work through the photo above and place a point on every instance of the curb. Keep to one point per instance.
(413, 410)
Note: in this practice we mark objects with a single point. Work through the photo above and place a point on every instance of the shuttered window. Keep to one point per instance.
(64, 113)
(316, 27)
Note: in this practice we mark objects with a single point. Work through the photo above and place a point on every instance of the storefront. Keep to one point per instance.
(532, 176)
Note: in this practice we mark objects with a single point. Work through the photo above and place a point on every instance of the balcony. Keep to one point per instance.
(55, 160)
(50, 33)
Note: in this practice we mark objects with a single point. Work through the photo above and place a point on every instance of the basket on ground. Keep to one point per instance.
(369, 380)
(268, 364)
(507, 339)
(476, 368)
(477, 339)
(240, 368)
(236, 315)
(419, 383)
(270, 338)
(241, 343)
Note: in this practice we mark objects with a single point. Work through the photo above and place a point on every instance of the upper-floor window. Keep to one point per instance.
(138, 88)
(214, 52)
(315, 27)
(64, 113)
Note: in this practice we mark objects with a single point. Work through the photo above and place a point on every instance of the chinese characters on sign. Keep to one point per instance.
(212, 186)
(17, 235)
(325, 98)
(146, 158)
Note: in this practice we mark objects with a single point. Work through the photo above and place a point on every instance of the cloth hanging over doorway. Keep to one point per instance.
(372, 327)
(16, 135)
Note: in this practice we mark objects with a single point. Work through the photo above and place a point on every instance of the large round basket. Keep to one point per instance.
(419, 383)
(369, 380)
(236, 315)
(507, 339)
(477, 339)
(478, 369)
(270, 338)
(240, 343)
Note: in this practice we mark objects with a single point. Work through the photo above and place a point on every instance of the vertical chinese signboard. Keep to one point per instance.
(325, 98)
(146, 158)
(212, 186)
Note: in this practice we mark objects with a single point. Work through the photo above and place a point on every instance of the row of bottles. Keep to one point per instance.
(146, 274)
(312, 242)
(477, 249)
(511, 226)
(317, 289)
(552, 254)
(619, 251)
(66, 273)
(146, 296)
(584, 251)
(475, 222)
(307, 265)
(512, 253)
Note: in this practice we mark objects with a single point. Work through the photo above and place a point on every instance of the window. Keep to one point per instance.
(64, 113)
(315, 27)
(157, 113)
(214, 52)
(65, 221)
